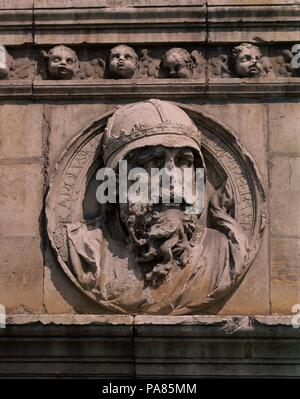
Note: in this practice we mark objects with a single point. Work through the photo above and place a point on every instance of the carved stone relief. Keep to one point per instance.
(285, 68)
(124, 62)
(62, 62)
(14, 68)
(247, 60)
(175, 63)
(156, 259)
(179, 63)
(243, 61)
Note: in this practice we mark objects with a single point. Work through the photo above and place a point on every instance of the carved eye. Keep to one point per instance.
(70, 61)
(183, 162)
(116, 56)
(155, 162)
(245, 58)
(128, 57)
(57, 59)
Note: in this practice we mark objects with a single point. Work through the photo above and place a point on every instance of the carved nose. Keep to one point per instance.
(170, 164)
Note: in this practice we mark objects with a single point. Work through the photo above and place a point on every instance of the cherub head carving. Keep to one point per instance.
(178, 63)
(247, 60)
(123, 62)
(62, 62)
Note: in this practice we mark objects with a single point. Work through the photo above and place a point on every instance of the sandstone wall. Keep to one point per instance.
(39, 117)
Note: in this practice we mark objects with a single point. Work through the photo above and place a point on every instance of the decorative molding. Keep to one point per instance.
(229, 23)
(44, 22)
(253, 88)
(219, 88)
(124, 346)
(118, 89)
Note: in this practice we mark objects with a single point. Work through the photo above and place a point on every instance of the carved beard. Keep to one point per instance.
(160, 234)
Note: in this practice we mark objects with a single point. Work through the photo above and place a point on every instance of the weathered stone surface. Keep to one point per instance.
(21, 133)
(21, 282)
(115, 3)
(172, 24)
(21, 199)
(60, 296)
(199, 320)
(284, 197)
(250, 2)
(76, 118)
(250, 21)
(16, 4)
(74, 319)
(112, 347)
(285, 274)
(44, 118)
(253, 295)
(17, 26)
(283, 128)
(239, 117)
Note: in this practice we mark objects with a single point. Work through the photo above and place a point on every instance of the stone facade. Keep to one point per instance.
(65, 68)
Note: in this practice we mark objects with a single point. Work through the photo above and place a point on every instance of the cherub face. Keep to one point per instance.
(62, 63)
(177, 67)
(122, 62)
(248, 62)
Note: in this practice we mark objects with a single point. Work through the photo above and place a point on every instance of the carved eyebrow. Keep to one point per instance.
(149, 154)
(186, 152)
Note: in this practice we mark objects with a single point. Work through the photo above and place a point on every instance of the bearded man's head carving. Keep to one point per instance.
(156, 257)
(155, 134)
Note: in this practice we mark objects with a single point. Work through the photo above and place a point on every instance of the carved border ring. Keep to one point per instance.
(77, 163)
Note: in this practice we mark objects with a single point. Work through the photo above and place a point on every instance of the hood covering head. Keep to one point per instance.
(148, 123)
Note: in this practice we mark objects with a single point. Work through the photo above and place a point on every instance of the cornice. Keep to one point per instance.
(133, 346)
(217, 88)
(107, 22)
(263, 21)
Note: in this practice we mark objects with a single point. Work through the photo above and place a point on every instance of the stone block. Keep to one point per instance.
(236, 22)
(283, 126)
(178, 24)
(285, 274)
(21, 200)
(239, 117)
(248, 123)
(284, 196)
(250, 2)
(16, 26)
(21, 132)
(21, 282)
(16, 4)
(113, 3)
